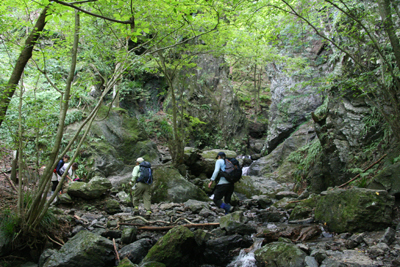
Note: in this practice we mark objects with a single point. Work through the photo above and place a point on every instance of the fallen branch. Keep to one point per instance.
(358, 175)
(116, 251)
(11, 182)
(54, 241)
(162, 228)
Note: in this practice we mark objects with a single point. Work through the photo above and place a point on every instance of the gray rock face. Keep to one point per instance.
(342, 132)
(270, 163)
(291, 104)
(282, 254)
(205, 164)
(96, 187)
(388, 179)
(356, 209)
(84, 249)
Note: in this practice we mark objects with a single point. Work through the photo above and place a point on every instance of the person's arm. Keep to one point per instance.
(135, 173)
(216, 171)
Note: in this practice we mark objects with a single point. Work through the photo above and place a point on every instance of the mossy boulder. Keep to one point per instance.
(176, 248)
(280, 254)
(206, 163)
(95, 188)
(304, 208)
(356, 209)
(388, 179)
(126, 263)
(84, 249)
(170, 186)
(246, 186)
(112, 206)
(236, 223)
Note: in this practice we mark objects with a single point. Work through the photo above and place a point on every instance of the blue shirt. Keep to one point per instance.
(219, 165)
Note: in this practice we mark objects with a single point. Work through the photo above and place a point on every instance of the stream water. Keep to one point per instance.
(246, 258)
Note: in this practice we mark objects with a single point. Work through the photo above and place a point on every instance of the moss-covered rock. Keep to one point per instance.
(126, 263)
(356, 209)
(246, 186)
(84, 249)
(96, 187)
(176, 248)
(170, 186)
(280, 254)
(236, 223)
(388, 179)
(112, 206)
(304, 208)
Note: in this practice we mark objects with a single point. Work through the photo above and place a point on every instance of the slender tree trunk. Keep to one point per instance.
(386, 14)
(8, 91)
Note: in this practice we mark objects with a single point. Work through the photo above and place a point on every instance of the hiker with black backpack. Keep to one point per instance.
(57, 175)
(223, 189)
(142, 178)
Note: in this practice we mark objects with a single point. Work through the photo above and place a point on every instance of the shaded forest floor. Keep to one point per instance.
(8, 197)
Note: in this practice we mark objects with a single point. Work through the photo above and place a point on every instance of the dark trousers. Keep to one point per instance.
(55, 183)
(223, 191)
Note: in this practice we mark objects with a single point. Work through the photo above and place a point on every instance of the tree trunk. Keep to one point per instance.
(8, 91)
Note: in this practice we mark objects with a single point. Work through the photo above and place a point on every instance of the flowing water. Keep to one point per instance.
(246, 258)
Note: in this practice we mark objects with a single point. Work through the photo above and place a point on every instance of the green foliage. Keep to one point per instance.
(9, 224)
(305, 157)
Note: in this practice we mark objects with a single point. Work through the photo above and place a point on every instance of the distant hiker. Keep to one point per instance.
(74, 176)
(56, 175)
(142, 178)
(69, 177)
(223, 189)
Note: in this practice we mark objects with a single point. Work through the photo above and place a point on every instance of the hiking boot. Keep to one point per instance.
(228, 208)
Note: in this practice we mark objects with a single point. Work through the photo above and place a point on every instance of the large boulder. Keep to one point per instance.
(177, 248)
(206, 163)
(356, 209)
(170, 186)
(84, 249)
(236, 223)
(95, 188)
(280, 254)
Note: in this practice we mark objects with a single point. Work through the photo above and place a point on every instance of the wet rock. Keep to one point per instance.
(281, 254)
(77, 229)
(45, 255)
(195, 206)
(125, 262)
(136, 251)
(388, 179)
(217, 250)
(112, 234)
(288, 194)
(124, 198)
(64, 199)
(271, 215)
(389, 236)
(177, 248)
(263, 201)
(96, 187)
(378, 250)
(236, 223)
(112, 206)
(84, 249)
(128, 235)
(319, 254)
(311, 262)
(354, 241)
(347, 258)
(356, 209)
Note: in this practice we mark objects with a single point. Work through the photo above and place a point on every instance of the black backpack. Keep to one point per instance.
(146, 173)
(232, 172)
